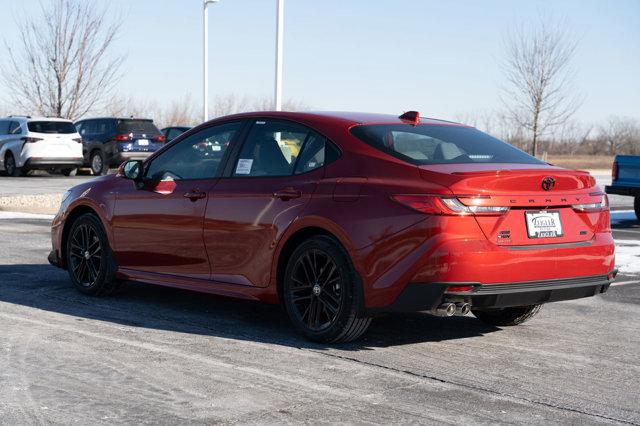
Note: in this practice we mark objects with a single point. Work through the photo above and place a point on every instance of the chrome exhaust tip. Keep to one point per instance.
(446, 310)
(463, 309)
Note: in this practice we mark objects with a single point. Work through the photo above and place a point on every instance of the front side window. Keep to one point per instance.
(278, 148)
(196, 157)
(440, 144)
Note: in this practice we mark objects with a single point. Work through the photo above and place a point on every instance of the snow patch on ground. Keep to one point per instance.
(628, 256)
(17, 215)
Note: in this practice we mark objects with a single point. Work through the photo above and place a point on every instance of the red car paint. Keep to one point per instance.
(233, 235)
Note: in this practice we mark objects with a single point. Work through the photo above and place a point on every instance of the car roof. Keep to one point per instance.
(348, 118)
(27, 118)
(115, 118)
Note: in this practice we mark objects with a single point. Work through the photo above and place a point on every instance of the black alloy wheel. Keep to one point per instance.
(85, 252)
(322, 292)
(90, 261)
(317, 290)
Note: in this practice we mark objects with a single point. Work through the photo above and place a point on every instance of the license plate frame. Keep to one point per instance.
(544, 224)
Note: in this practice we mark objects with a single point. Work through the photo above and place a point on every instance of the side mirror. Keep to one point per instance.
(132, 169)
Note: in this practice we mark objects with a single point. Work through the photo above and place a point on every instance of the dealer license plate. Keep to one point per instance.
(544, 224)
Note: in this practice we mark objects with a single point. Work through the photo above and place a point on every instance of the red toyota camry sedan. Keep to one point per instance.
(341, 217)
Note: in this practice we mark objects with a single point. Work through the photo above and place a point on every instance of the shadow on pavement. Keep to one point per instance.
(141, 305)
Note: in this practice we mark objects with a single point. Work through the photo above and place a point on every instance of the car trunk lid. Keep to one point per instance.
(541, 201)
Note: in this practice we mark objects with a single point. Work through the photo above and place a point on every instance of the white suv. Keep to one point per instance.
(28, 143)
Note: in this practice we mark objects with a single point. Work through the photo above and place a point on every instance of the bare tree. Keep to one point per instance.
(620, 135)
(61, 66)
(539, 94)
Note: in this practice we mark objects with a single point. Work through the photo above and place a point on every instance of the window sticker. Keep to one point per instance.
(244, 166)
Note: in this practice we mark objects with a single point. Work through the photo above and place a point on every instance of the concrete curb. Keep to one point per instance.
(41, 203)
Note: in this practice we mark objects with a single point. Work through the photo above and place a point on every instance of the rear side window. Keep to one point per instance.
(51, 127)
(14, 128)
(4, 127)
(434, 144)
(137, 126)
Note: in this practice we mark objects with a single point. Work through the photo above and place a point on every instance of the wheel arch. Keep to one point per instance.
(301, 233)
(74, 214)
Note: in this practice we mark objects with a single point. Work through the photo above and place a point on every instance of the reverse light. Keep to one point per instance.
(593, 207)
(433, 204)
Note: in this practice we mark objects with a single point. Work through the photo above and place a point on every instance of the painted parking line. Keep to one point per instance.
(616, 284)
(629, 231)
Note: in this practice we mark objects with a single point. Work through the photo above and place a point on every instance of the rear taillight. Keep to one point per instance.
(79, 140)
(160, 138)
(614, 171)
(436, 205)
(593, 207)
(122, 138)
(30, 139)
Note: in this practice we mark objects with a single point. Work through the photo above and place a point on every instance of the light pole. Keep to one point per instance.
(279, 39)
(205, 57)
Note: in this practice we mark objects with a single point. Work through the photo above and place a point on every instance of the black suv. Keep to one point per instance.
(107, 142)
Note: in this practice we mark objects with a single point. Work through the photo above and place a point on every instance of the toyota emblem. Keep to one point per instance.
(548, 183)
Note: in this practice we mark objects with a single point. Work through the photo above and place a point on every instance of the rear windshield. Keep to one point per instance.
(51, 127)
(433, 144)
(137, 126)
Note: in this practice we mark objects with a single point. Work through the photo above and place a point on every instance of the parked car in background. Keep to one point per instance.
(170, 133)
(30, 143)
(625, 179)
(108, 141)
(368, 214)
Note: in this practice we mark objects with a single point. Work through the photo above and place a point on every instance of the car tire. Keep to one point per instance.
(507, 316)
(98, 163)
(636, 206)
(70, 172)
(90, 261)
(322, 292)
(10, 166)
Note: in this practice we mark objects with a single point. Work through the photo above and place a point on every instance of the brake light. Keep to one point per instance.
(593, 207)
(30, 139)
(160, 138)
(79, 140)
(614, 171)
(122, 138)
(436, 205)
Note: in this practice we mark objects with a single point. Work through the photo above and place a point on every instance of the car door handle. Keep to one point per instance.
(287, 194)
(195, 194)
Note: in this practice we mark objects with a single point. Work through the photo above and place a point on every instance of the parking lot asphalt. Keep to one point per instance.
(155, 355)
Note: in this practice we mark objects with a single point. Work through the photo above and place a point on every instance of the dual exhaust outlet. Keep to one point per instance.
(449, 309)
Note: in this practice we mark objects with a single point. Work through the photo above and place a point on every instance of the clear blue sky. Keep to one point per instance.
(439, 57)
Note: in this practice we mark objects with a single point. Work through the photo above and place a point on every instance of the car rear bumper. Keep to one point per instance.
(120, 157)
(57, 162)
(622, 190)
(428, 296)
